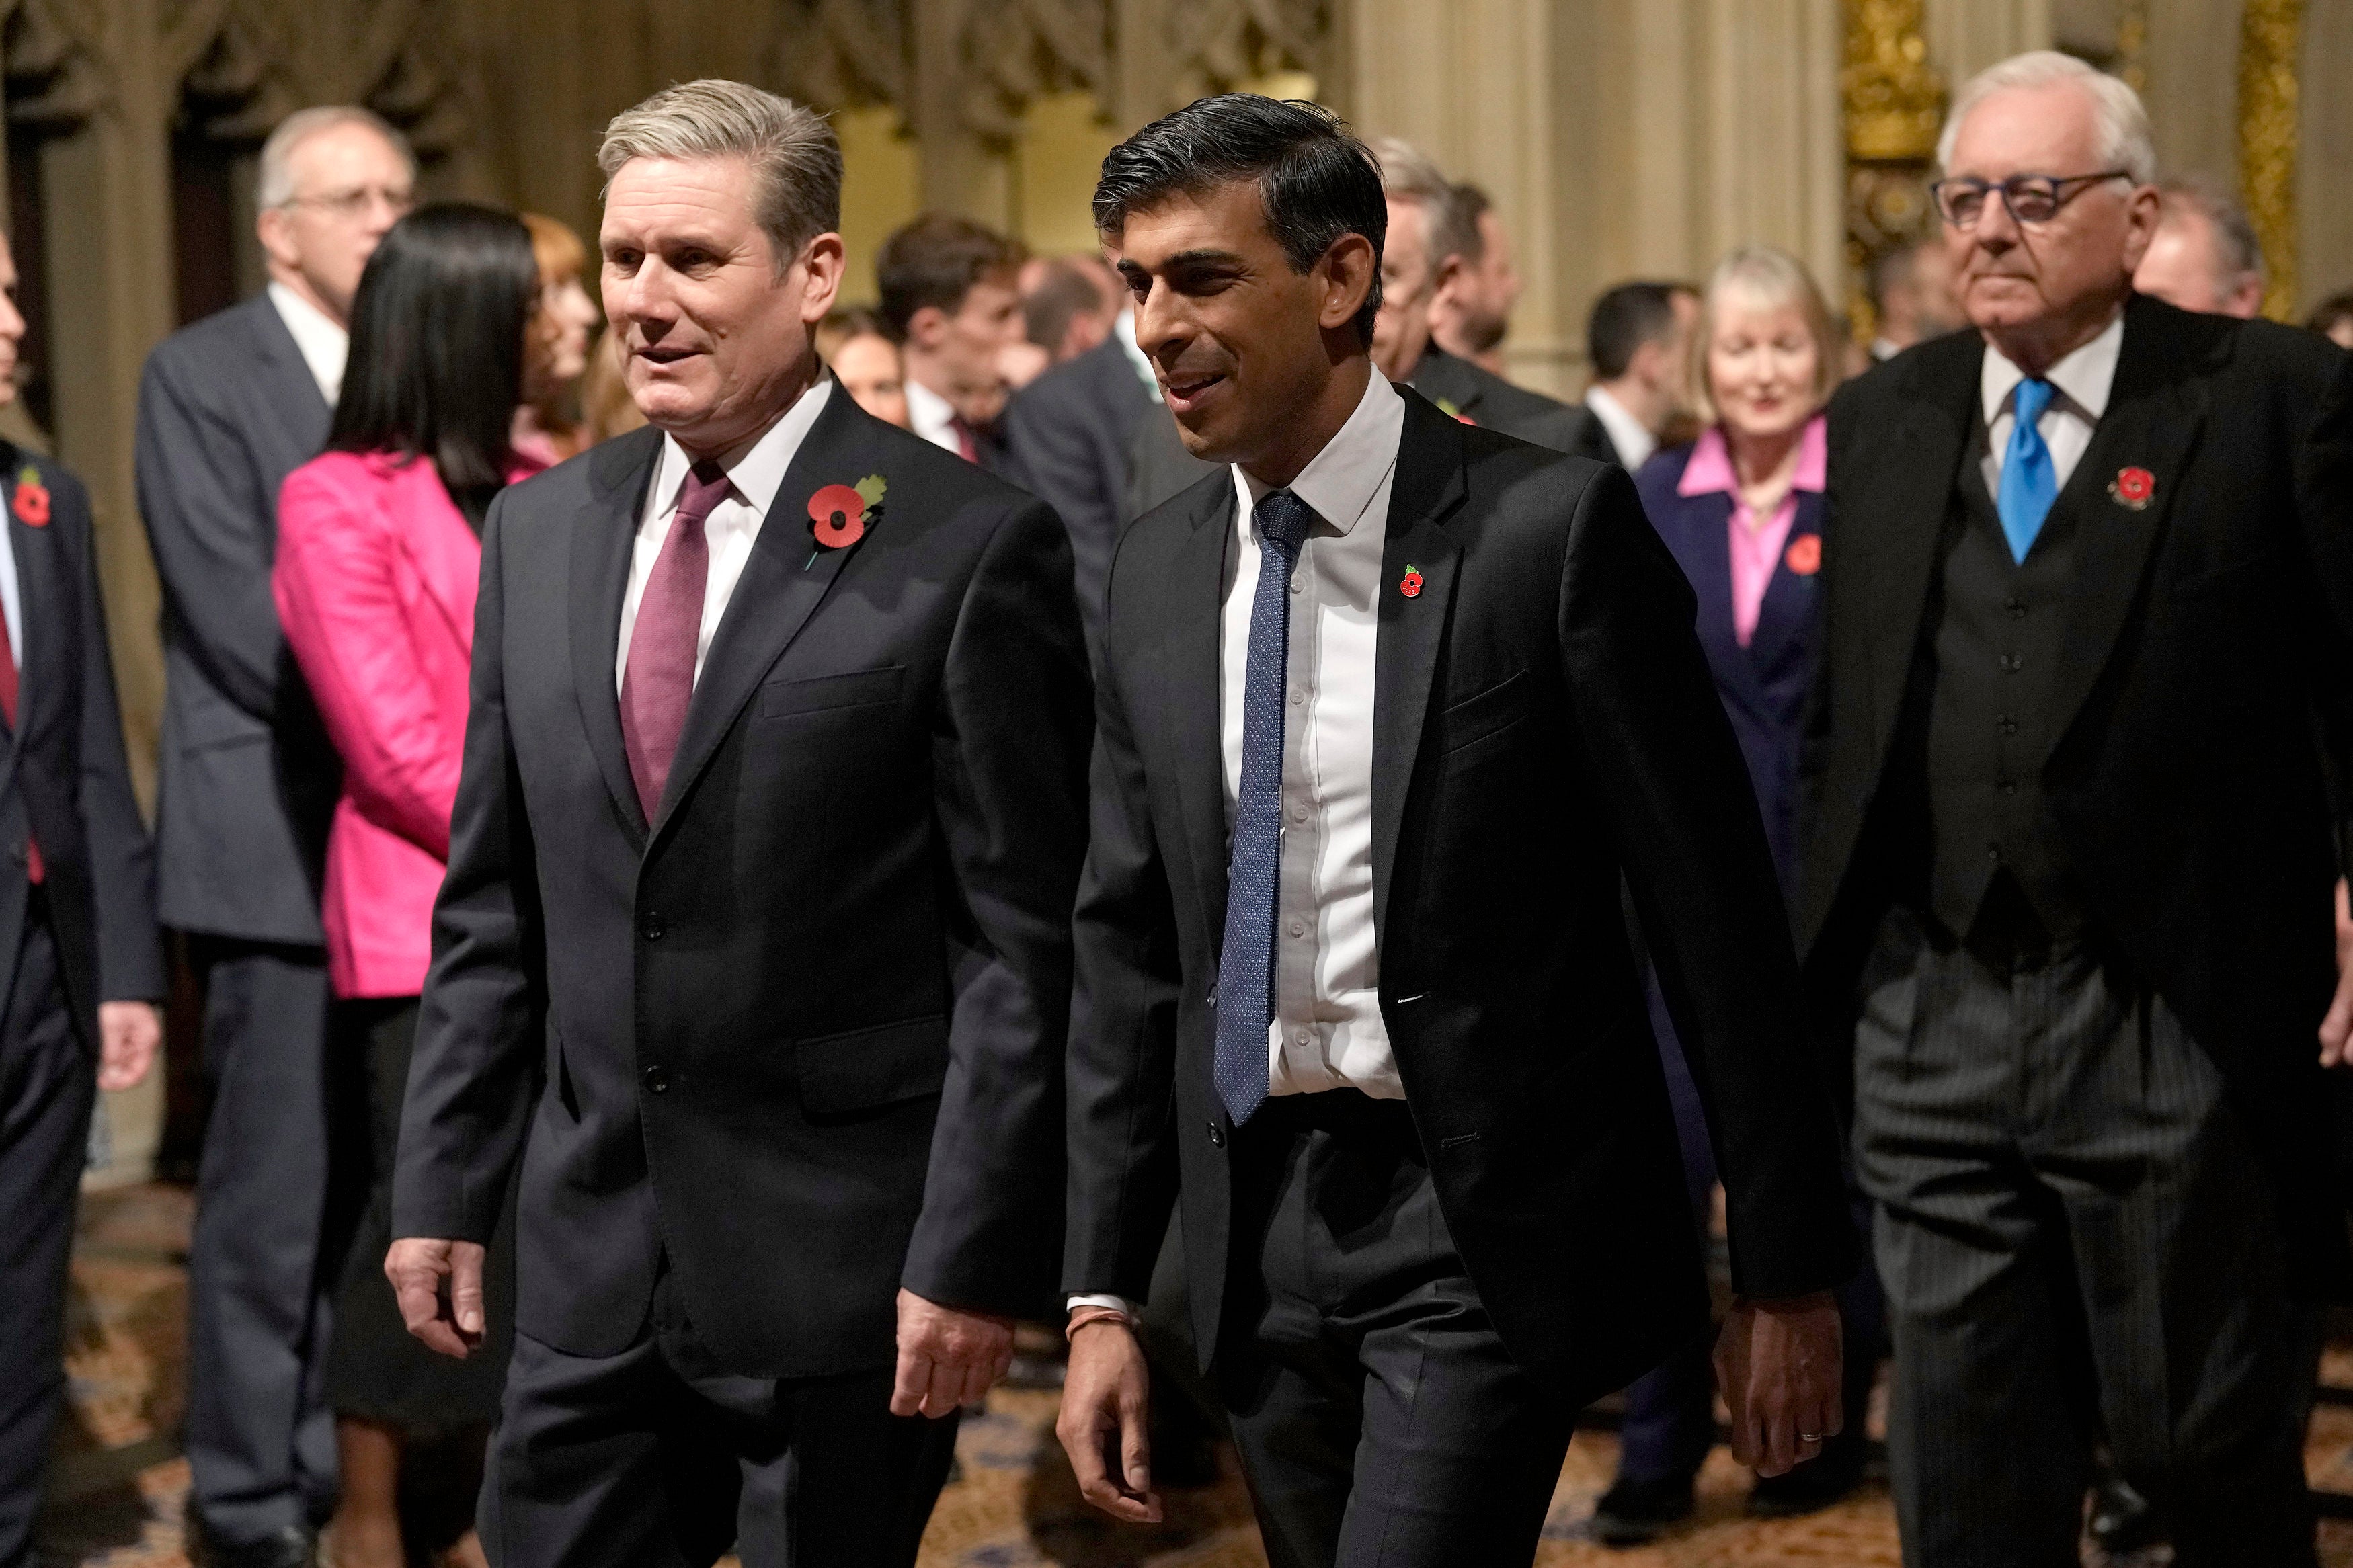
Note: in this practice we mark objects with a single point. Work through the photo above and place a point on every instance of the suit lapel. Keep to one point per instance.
(618, 473)
(42, 602)
(783, 583)
(1195, 616)
(448, 558)
(1786, 616)
(1900, 517)
(1429, 485)
(2152, 422)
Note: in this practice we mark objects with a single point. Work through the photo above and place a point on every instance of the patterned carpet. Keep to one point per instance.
(119, 1483)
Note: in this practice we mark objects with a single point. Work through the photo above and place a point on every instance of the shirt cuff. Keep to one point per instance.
(1117, 1304)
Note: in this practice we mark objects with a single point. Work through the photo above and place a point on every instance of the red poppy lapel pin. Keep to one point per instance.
(2132, 487)
(1804, 555)
(840, 514)
(32, 503)
(1410, 584)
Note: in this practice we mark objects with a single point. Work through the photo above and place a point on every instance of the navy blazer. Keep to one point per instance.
(1763, 684)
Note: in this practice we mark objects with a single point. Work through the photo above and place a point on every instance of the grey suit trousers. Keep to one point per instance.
(2078, 1246)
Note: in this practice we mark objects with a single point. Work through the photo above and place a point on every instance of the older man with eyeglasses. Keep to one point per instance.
(227, 407)
(2068, 850)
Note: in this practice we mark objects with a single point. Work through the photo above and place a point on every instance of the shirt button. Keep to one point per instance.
(1299, 928)
(2016, 606)
(655, 1079)
(2011, 663)
(1216, 1135)
(2006, 724)
(1993, 853)
(652, 927)
(1299, 812)
(1298, 695)
(1297, 587)
(1301, 1039)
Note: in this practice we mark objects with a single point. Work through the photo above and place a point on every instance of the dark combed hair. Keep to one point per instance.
(436, 365)
(1047, 309)
(1316, 181)
(935, 262)
(1624, 319)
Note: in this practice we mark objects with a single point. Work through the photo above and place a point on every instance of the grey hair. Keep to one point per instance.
(795, 157)
(275, 186)
(1410, 174)
(2126, 141)
(2237, 252)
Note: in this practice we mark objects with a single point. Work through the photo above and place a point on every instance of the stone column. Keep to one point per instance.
(1966, 36)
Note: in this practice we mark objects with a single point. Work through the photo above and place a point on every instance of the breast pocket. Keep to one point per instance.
(833, 693)
(1485, 713)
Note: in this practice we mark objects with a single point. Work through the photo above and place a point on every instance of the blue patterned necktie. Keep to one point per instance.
(1246, 962)
(2029, 482)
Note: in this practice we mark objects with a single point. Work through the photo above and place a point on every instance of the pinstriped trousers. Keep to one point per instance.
(2078, 1246)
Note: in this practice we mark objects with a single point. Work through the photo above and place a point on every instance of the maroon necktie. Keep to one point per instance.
(34, 870)
(659, 681)
(967, 443)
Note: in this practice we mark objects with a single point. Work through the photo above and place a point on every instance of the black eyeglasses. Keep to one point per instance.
(2030, 198)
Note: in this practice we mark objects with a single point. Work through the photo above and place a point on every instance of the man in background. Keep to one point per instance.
(1477, 287)
(1638, 340)
(1426, 232)
(248, 781)
(2205, 256)
(950, 291)
(1062, 312)
(1911, 290)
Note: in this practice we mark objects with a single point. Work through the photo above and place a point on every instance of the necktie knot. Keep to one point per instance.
(2033, 400)
(705, 487)
(1284, 521)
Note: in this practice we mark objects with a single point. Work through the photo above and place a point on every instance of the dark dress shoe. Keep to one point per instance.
(1636, 1512)
(292, 1547)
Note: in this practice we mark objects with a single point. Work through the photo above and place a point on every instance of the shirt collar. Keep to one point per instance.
(324, 345)
(928, 411)
(2085, 377)
(755, 467)
(1123, 329)
(1710, 469)
(1338, 484)
(1629, 436)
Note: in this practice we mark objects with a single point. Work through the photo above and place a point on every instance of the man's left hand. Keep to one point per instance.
(947, 1357)
(128, 1034)
(2336, 1028)
(1780, 1362)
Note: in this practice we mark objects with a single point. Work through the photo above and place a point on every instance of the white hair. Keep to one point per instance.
(275, 187)
(2126, 141)
(795, 157)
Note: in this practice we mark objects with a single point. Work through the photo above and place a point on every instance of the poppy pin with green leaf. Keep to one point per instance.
(840, 515)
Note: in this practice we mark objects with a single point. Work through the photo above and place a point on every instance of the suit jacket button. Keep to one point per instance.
(655, 1079)
(652, 927)
(1216, 1135)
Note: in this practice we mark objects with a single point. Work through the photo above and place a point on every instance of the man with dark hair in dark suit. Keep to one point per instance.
(757, 916)
(1427, 230)
(950, 291)
(1638, 344)
(84, 965)
(1387, 708)
(246, 783)
(2068, 848)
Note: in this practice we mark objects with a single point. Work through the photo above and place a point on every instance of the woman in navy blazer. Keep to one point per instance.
(1741, 509)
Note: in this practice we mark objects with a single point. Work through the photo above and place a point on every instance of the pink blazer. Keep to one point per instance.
(375, 581)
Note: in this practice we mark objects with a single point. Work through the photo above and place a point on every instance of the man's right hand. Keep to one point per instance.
(1106, 1396)
(451, 1321)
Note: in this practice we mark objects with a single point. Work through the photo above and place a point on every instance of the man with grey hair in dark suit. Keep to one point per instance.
(228, 408)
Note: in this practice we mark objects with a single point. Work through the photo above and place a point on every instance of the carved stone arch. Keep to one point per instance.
(843, 54)
(1013, 51)
(1215, 44)
(54, 53)
(247, 64)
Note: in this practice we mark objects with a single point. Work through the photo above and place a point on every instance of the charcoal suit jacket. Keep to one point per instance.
(801, 1033)
(1544, 721)
(2202, 708)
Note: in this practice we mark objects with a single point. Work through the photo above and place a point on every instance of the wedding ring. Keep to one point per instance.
(1810, 1436)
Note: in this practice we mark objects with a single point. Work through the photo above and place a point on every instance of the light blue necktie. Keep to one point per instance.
(1246, 962)
(2029, 483)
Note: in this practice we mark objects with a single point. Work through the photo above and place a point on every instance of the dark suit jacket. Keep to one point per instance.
(247, 779)
(802, 1033)
(1162, 468)
(63, 776)
(2209, 641)
(1071, 432)
(1764, 686)
(1543, 722)
(1486, 399)
(1588, 437)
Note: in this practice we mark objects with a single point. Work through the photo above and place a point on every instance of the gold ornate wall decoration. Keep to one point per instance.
(2132, 43)
(2270, 40)
(1894, 103)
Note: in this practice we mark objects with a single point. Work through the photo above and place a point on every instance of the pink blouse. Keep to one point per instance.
(1755, 551)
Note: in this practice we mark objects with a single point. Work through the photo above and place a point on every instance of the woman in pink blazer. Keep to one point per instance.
(378, 549)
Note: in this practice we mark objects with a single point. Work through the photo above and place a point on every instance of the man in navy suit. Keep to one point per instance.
(77, 925)
(228, 408)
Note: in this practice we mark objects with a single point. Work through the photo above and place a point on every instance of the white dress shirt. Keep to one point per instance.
(755, 470)
(1629, 435)
(324, 344)
(2083, 380)
(933, 417)
(12, 600)
(1327, 1031)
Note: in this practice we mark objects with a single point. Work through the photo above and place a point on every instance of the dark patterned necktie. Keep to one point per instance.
(1246, 962)
(659, 681)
